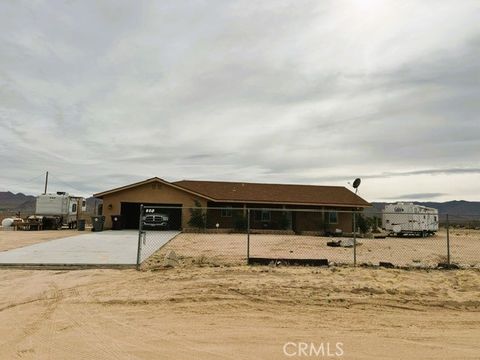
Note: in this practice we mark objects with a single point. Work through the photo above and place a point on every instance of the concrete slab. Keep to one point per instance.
(95, 248)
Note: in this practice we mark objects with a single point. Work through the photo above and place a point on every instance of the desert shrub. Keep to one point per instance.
(283, 222)
(197, 217)
(364, 224)
(240, 222)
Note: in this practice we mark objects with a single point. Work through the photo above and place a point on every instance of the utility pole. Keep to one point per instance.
(46, 182)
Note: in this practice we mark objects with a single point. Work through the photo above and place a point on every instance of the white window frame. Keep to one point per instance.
(330, 213)
(266, 215)
(226, 212)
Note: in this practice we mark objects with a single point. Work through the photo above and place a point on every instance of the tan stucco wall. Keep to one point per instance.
(314, 221)
(345, 222)
(150, 193)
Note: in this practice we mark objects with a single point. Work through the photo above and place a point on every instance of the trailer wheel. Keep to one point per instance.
(424, 234)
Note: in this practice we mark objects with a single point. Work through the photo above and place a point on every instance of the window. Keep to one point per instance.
(266, 215)
(333, 217)
(227, 212)
(262, 215)
(74, 208)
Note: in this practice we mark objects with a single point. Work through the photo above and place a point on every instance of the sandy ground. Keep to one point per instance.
(16, 239)
(232, 248)
(238, 313)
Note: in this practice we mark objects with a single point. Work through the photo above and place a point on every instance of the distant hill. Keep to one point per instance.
(25, 204)
(456, 207)
(16, 202)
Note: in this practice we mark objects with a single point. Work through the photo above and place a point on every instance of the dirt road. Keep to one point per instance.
(238, 313)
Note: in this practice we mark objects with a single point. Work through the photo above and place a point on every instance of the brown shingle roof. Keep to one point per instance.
(274, 193)
(129, 186)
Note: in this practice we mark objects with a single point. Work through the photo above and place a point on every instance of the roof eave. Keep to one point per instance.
(156, 179)
(292, 203)
(182, 188)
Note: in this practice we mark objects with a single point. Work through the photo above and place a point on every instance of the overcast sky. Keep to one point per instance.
(104, 93)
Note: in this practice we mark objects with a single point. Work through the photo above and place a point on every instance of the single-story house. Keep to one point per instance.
(323, 206)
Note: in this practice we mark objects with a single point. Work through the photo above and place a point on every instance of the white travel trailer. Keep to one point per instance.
(409, 219)
(60, 209)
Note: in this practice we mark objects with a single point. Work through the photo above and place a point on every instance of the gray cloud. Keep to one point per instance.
(419, 196)
(104, 93)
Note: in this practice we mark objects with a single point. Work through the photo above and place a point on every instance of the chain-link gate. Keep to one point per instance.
(157, 226)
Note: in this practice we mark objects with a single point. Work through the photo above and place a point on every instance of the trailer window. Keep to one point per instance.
(74, 208)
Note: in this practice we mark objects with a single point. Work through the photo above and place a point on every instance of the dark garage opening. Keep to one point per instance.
(131, 214)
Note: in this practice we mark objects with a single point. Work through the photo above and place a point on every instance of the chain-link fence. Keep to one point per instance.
(196, 235)
(235, 235)
(462, 233)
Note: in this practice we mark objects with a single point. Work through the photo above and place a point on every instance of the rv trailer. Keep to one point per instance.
(59, 210)
(408, 219)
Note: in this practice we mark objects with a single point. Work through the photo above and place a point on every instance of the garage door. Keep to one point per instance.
(131, 214)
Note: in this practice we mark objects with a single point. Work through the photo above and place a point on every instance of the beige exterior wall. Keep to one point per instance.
(314, 221)
(311, 221)
(345, 222)
(154, 193)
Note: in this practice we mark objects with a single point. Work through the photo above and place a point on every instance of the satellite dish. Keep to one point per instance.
(356, 184)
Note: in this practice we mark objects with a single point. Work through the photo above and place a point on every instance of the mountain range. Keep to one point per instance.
(25, 204)
(16, 202)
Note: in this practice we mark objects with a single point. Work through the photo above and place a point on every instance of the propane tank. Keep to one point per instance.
(7, 222)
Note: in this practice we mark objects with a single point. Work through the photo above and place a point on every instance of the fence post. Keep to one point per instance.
(248, 236)
(354, 239)
(448, 241)
(205, 220)
(140, 232)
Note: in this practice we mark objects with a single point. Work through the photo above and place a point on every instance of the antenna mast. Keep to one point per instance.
(46, 182)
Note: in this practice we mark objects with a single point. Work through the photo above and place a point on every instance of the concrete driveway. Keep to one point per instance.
(105, 248)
